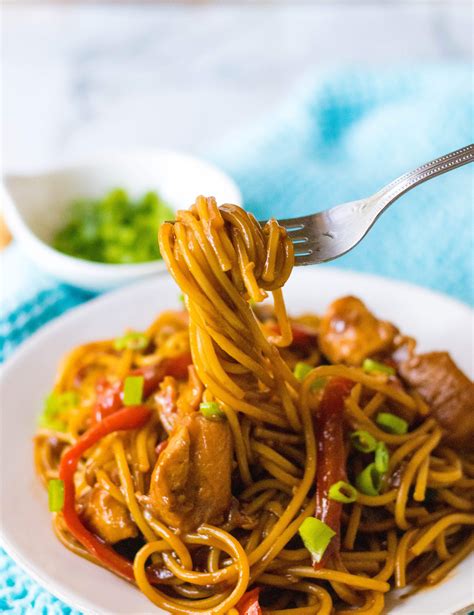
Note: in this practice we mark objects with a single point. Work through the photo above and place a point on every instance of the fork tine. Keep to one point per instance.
(291, 224)
(294, 224)
(307, 258)
(297, 238)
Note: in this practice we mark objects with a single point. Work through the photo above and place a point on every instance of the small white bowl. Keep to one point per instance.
(36, 205)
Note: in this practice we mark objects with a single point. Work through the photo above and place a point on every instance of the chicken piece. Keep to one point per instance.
(447, 390)
(191, 481)
(175, 399)
(190, 394)
(349, 333)
(165, 401)
(107, 517)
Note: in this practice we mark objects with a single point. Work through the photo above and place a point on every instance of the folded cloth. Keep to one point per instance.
(340, 137)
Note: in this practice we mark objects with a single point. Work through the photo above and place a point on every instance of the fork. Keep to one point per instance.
(328, 234)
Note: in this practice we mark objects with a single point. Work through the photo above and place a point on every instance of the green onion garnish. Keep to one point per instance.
(369, 365)
(342, 492)
(381, 457)
(316, 536)
(211, 410)
(319, 383)
(301, 370)
(363, 441)
(56, 495)
(56, 404)
(134, 340)
(369, 480)
(133, 390)
(391, 423)
(114, 229)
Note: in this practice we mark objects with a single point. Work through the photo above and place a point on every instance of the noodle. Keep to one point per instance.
(224, 262)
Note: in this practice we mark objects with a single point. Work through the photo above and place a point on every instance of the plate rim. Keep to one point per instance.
(72, 598)
(117, 292)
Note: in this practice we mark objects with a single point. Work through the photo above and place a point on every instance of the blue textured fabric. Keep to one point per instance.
(340, 137)
(346, 135)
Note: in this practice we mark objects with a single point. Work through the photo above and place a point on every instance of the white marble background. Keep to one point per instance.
(80, 78)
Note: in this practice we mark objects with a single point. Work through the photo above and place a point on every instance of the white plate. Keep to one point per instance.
(435, 320)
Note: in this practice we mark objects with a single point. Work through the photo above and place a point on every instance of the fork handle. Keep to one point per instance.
(390, 193)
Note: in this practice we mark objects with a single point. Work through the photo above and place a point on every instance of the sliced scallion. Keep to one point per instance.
(319, 383)
(114, 229)
(133, 390)
(369, 366)
(55, 406)
(381, 457)
(56, 495)
(342, 492)
(301, 370)
(369, 480)
(316, 536)
(134, 340)
(211, 410)
(363, 441)
(391, 423)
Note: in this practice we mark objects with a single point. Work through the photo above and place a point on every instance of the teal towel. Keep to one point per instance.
(348, 134)
(340, 137)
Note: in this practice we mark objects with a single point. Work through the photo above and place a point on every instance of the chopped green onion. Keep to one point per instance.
(181, 298)
(134, 340)
(114, 229)
(319, 383)
(133, 390)
(301, 370)
(363, 441)
(369, 480)
(391, 423)
(342, 492)
(369, 365)
(316, 536)
(56, 495)
(211, 410)
(55, 405)
(381, 457)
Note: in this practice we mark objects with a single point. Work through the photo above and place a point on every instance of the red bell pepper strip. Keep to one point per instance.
(248, 604)
(110, 396)
(131, 417)
(330, 457)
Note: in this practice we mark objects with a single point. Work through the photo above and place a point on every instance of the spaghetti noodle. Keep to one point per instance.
(275, 444)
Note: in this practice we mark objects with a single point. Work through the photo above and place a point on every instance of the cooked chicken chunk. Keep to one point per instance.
(447, 390)
(165, 401)
(175, 399)
(107, 517)
(349, 333)
(191, 481)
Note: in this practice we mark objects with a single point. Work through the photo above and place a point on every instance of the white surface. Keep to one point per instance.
(24, 508)
(78, 78)
(36, 206)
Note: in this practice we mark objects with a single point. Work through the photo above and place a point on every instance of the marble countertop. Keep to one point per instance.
(82, 78)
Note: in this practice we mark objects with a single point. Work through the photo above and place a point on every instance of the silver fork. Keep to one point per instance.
(329, 234)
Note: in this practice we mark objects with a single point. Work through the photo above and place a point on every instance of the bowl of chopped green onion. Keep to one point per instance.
(94, 225)
(115, 229)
